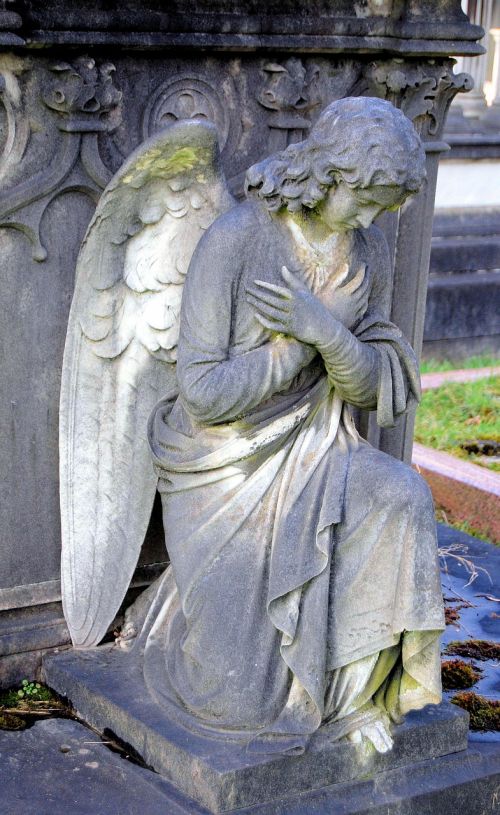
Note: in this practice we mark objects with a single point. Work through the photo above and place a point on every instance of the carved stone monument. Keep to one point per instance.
(82, 87)
(302, 605)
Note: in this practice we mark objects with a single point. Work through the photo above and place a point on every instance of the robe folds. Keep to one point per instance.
(303, 585)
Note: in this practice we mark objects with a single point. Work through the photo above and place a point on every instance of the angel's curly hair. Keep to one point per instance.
(362, 141)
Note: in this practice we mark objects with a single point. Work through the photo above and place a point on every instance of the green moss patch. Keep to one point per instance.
(457, 674)
(484, 713)
(476, 649)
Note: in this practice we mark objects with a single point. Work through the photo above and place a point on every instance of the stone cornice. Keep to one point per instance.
(426, 28)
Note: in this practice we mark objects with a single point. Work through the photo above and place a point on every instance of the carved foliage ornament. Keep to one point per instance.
(422, 90)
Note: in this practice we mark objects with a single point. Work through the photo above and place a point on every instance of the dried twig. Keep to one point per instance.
(458, 551)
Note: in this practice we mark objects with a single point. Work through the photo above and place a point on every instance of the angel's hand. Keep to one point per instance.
(292, 310)
(351, 300)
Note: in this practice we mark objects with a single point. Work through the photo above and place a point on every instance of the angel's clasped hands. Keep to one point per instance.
(295, 310)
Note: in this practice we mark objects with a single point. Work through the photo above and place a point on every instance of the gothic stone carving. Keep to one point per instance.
(86, 103)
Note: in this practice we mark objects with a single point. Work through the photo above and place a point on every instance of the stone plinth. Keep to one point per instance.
(225, 776)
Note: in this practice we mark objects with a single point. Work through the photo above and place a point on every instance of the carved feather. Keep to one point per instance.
(119, 360)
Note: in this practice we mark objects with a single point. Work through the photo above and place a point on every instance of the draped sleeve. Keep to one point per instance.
(399, 379)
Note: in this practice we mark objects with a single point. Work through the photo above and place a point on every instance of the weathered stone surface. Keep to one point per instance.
(462, 299)
(258, 325)
(67, 123)
(426, 27)
(38, 778)
(224, 776)
(55, 159)
(59, 767)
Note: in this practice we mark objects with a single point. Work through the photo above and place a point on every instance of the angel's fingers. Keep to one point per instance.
(262, 297)
(270, 324)
(354, 284)
(280, 290)
(266, 310)
(293, 281)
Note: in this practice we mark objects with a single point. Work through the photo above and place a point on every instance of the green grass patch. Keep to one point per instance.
(460, 412)
(29, 701)
(26, 692)
(431, 366)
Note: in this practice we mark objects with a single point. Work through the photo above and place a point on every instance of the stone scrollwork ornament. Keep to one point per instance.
(84, 95)
(86, 104)
(303, 587)
(291, 93)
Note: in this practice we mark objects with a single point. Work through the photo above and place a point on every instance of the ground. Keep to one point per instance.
(59, 767)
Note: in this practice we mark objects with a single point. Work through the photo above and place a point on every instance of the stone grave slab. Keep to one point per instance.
(224, 776)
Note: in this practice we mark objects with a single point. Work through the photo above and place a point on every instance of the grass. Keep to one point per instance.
(431, 366)
(459, 412)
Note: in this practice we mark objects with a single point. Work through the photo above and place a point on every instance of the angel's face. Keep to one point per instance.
(348, 208)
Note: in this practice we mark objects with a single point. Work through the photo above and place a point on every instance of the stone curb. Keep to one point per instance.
(468, 492)
(435, 380)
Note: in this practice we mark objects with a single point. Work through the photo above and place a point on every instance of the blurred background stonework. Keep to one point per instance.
(463, 302)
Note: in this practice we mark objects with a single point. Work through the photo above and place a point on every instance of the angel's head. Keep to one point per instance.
(361, 157)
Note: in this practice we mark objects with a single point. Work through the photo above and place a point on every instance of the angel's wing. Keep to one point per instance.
(120, 359)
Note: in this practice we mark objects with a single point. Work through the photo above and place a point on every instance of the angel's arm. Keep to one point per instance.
(374, 367)
(214, 386)
(371, 366)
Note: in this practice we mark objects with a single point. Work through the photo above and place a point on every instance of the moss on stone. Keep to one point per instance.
(22, 705)
(24, 694)
(476, 649)
(457, 674)
(9, 721)
(484, 713)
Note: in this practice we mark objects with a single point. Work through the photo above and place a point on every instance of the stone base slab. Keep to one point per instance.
(107, 690)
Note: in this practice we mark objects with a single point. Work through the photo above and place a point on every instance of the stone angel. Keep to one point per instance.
(303, 585)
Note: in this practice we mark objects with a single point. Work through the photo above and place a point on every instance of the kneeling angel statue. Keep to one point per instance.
(303, 587)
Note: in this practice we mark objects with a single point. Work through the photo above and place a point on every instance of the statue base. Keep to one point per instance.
(108, 692)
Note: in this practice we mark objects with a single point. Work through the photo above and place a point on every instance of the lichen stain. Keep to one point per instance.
(155, 164)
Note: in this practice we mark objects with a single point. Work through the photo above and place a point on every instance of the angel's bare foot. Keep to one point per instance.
(375, 734)
(127, 635)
